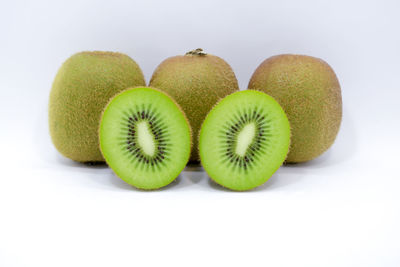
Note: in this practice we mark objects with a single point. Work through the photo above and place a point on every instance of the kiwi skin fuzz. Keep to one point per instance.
(309, 91)
(197, 81)
(81, 90)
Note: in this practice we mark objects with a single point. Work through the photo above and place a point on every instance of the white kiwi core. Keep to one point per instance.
(245, 138)
(146, 138)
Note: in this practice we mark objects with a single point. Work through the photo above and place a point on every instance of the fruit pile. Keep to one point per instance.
(101, 110)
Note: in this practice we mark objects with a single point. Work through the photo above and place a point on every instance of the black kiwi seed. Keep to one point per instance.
(258, 143)
(157, 131)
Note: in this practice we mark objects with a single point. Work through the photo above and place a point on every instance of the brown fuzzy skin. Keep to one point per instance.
(82, 88)
(197, 83)
(309, 92)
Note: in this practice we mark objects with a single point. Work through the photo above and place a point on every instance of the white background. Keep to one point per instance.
(342, 209)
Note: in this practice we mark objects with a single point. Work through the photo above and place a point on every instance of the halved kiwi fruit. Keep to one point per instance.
(244, 139)
(145, 137)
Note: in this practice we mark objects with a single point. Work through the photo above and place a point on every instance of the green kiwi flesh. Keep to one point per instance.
(244, 139)
(81, 89)
(145, 137)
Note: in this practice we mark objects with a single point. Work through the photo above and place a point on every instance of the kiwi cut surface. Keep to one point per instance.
(81, 89)
(244, 140)
(145, 137)
(196, 81)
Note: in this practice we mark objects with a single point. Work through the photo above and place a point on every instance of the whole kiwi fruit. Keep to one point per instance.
(309, 92)
(81, 90)
(196, 81)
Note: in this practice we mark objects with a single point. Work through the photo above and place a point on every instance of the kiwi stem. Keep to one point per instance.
(196, 52)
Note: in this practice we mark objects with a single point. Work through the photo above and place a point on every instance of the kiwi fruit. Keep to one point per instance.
(244, 139)
(309, 92)
(82, 88)
(145, 137)
(197, 81)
